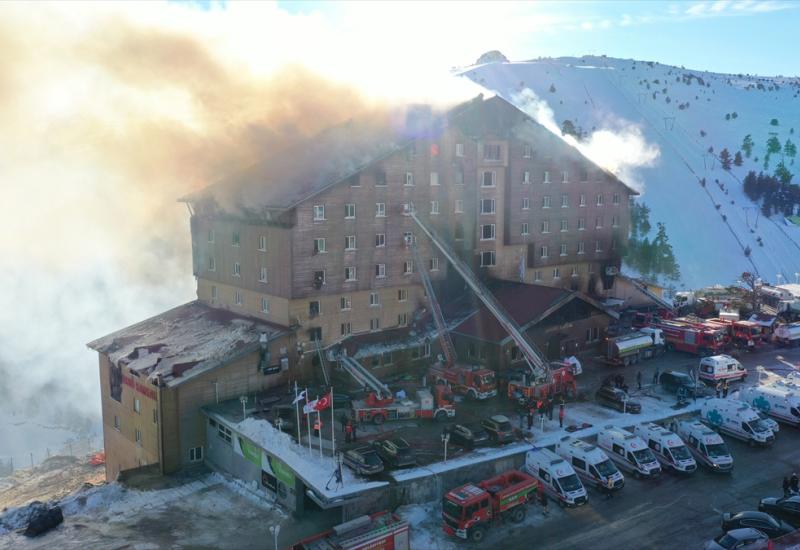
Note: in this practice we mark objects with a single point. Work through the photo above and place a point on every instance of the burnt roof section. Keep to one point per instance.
(185, 341)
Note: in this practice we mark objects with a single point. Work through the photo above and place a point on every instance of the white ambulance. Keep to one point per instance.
(628, 451)
(667, 446)
(591, 463)
(721, 367)
(705, 444)
(738, 419)
(780, 402)
(556, 476)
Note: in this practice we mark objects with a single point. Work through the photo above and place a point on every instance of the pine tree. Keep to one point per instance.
(737, 159)
(751, 186)
(747, 145)
(789, 149)
(725, 159)
(773, 145)
(783, 174)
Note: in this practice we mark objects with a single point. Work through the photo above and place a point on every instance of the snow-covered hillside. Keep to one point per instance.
(682, 113)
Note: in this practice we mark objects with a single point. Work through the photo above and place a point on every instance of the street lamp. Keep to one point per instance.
(445, 440)
(274, 530)
(243, 401)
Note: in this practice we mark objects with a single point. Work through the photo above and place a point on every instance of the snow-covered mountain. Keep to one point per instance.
(653, 125)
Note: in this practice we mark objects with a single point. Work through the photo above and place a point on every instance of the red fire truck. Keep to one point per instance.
(468, 511)
(381, 531)
(740, 333)
(691, 338)
(437, 404)
(474, 382)
(562, 383)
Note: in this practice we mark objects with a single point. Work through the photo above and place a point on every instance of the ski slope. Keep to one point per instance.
(602, 95)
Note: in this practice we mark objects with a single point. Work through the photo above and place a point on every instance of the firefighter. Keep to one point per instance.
(725, 389)
(639, 380)
(561, 414)
(348, 432)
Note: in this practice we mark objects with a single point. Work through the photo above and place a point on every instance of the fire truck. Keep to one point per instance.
(740, 333)
(474, 382)
(468, 511)
(562, 383)
(436, 404)
(380, 531)
(691, 338)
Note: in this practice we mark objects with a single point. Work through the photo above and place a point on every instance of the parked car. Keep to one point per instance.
(395, 452)
(739, 539)
(762, 521)
(787, 509)
(363, 460)
(468, 435)
(499, 429)
(615, 398)
(672, 381)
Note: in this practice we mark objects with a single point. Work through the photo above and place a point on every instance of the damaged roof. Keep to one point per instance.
(185, 341)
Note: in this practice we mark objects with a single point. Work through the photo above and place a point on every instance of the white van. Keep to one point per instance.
(780, 402)
(737, 419)
(721, 367)
(705, 444)
(628, 451)
(591, 464)
(556, 476)
(668, 447)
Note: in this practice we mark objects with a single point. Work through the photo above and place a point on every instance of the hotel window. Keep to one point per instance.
(196, 454)
(350, 273)
(345, 329)
(138, 437)
(137, 406)
(262, 243)
(237, 298)
(564, 225)
(355, 180)
(563, 251)
(350, 242)
(564, 177)
(526, 203)
(613, 244)
(380, 178)
(402, 319)
(237, 269)
(545, 226)
(565, 201)
(262, 276)
(345, 304)
(374, 324)
(213, 292)
(581, 248)
(574, 271)
(584, 176)
(615, 199)
(409, 178)
(210, 235)
(614, 221)
(235, 239)
(526, 177)
(374, 299)
(402, 294)
(458, 176)
(599, 200)
(524, 230)
(527, 151)
(434, 178)
(537, 276)
(313, 308)
(487, 232)
(543, 251)
(319, 278)
(212, 263)
(319, 212)
(349, 211)
(487, 206)
(488, 178)
(488, 259)
(224, 433)
(434, 265)
(598, 246)
(459, 149)
(459, 208)
(264, 304)
(434, 207)
(380, 209)
(408, 267)
(582, 200)
(380, 240)
(491, 151)
(546, 178)
(406, 208)
(380, 271)
(320, 246)
(598, 223)
(458, 233)
(409, 238)
(546, 201)
(581, 224)
(556, 273)
(116, 423)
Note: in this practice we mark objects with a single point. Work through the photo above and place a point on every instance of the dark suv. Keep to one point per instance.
(468, 435)
(672, 381)
(395, 452)
(615, 398)
(363, 461)
(499, 429)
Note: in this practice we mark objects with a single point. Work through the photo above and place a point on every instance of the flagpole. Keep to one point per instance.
(319, 419)
(333, 430)
(297, 410)
(308, 425)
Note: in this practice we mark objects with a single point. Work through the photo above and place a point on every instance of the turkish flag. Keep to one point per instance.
(324, 402)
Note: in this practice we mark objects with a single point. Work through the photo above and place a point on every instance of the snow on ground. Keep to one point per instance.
(617, 106)
(314, 470)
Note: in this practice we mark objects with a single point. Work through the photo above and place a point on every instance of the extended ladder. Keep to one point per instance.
(322, 362)
(538, 366)
(363, 376)
(448, 348)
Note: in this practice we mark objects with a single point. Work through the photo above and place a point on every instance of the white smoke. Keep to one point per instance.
(619, 147)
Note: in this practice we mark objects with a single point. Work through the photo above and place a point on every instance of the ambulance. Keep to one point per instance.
(780, 402)
(705, 444)
(590, 463)
(556, 476)
(737, 419)
(628, 451)
(669, 448)
(721, 367)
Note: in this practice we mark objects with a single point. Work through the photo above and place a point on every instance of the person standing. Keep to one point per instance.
(718, 389)
(540, 408)
(639, 380)
(793, 484)
(530, 418)
(561, 415)
(348, 432)
(550, 409)
(655, 377)
(353, 435)
(609, 488)
(543, 501)
(725, 389)
(786, 487)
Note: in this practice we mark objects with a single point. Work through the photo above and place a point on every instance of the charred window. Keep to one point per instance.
(115, 382)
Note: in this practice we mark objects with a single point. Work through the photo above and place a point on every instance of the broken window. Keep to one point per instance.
(115, 382)
(313, 308)
(491, 151)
